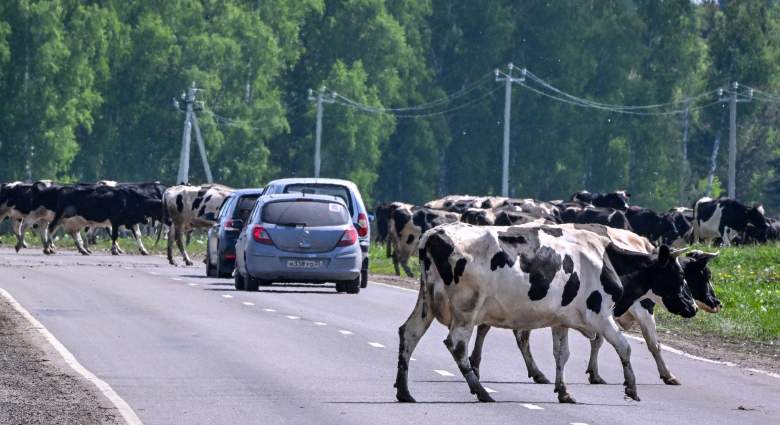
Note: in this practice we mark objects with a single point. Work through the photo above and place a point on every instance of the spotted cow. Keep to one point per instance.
(528, 277)
(697, 276)
(725, 219)
(659, 228)
(189, 207)
(26, 205)
(616, 200)
(405, 228)
(596, 215)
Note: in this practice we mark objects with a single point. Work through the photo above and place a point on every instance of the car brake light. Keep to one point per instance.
(260, 235)
(349, 237)
(362, 225)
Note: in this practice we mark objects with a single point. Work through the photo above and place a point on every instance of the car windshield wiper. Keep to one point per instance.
(291, 224)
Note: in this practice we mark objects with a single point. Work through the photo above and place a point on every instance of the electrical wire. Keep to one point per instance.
(364, 108)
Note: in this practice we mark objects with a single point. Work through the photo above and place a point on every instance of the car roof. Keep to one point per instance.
(249, 191)
(295, 195)
(312, 180)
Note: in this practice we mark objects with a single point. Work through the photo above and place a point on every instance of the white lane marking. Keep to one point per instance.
(704, 359)
(292, 317)
(176, 279)
(193, 284)
(227, 296)
(320, 323)
(530, 406)
(247, 303)
(121, 405)
(412, 359)
(443, 372)
(394, 287)
(270, 310)
(343, 332)
(578, 423)
(490, 390)
(127, 268)
(154, 273)
(376, 345)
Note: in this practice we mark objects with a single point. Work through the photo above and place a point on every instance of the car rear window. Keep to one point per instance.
(244, 206)
(305, 213)
(323, 189)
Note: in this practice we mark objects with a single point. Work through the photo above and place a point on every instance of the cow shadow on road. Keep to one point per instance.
(517, 402)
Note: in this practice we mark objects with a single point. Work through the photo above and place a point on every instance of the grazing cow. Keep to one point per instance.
(726, 219)
(683, 221)
(100, 206)
(540, 209)
(460, 203)
(501, 216)
(406, 227)
(697, 276)
(189, 207)
(655, 227)
(594, 215)
(382, 220)
(528, 277)
(616, 200)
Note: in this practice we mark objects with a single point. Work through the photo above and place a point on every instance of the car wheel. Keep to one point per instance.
(364, 274)
(251, 284)
(240, 283)
(353, 286)
(220, 270)
(210, 272)
(341, 286)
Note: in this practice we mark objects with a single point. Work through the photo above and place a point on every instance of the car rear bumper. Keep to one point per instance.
(345, 266)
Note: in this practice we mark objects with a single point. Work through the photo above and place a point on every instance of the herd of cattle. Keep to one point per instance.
(593, 264)
(48, 206)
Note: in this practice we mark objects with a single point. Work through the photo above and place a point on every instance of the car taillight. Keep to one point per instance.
(350, 237)
(260, 235)
(229, 225)
(362, 225)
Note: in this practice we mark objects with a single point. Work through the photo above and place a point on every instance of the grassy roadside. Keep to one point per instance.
(747, 281)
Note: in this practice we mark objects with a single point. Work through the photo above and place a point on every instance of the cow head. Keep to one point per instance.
(666, 230)
(658, 275)
(756, 217)
(615, 200)
(697, 275)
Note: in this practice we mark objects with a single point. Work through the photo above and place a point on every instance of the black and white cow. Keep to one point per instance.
(502, 216)
(697, 276)
(595, 215)
(405, 228)
(616, 200)
(460, 203)
(682, 218)
(92, 206)
(529, 277)
(725, 219)
(189, 207)
(655, 227)
(24, 204)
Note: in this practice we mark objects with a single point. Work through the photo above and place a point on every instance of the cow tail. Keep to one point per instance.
(163, 220)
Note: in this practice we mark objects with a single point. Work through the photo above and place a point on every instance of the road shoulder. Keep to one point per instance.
(37, 386)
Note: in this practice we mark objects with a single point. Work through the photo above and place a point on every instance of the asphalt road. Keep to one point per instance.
(181, 348)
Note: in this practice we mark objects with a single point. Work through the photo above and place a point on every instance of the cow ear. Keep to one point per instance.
(664, 255)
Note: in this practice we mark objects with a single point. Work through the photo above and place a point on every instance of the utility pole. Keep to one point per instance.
(321, 97)
(189, 106)
(508, 80)
(733, 99)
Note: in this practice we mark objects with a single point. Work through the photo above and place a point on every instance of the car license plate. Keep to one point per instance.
(304, 264)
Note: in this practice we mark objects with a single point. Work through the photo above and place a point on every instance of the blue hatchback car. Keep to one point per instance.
(299, 237)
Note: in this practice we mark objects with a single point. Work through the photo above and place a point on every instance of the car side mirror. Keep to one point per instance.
(209, 216)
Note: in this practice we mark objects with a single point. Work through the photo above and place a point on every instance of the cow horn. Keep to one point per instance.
(678, 252)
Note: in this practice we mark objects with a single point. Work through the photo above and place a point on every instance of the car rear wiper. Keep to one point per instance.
(291, 224)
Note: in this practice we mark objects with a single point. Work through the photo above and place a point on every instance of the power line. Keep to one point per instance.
(365, 108)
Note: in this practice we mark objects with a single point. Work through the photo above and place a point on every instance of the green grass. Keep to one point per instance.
(197, 244)
(747, 281)
(379, 263)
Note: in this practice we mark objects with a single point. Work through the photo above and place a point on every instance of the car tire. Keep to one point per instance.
(220, 272)
(210, 272)
(353, 286)
(364, 274)
(251, 284)
(263, 282)
(239, 281)
(341, 286)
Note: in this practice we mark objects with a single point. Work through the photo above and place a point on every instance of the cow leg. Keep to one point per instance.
(476, 353)
(457, 343)
(20, 229)
(593, 363)
(523, 339)
(561, 353)
(169, 245)
(114, 237)
(182, 249)
(613, 336)
(136, 230)
(409, 335)
(408, 271)
(647, 324)
(76, 235)
(395, 264)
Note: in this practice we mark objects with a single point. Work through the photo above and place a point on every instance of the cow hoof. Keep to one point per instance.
(24, 245)
(671, 381)
(484, 397)
(540, 379)
(405, 398)
(17, 247)
(566, 398)
(144, 252)
(113, 252)
(596, 380)
(188, 262)
(631, 393)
